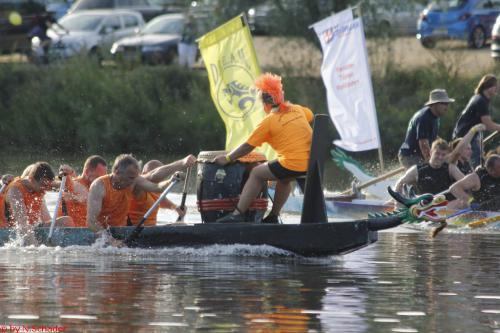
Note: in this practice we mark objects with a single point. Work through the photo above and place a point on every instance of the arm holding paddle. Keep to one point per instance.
(461, 189)
(164, 171)
(410, 177)
(466, 140)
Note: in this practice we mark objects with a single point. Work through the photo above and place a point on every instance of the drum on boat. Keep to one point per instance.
(218, 187)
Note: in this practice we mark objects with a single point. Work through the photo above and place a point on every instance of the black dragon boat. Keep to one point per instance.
(314, 236)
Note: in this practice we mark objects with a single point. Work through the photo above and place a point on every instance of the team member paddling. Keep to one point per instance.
(25, 202)
(435, 176)
(6, 180)
(423, 129)
(483, 185)
(77, 188)
(110, 195)
(476, 112)
(462, 150)
(287, 130)
(141, 201)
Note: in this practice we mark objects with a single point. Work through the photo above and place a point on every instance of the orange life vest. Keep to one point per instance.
(139, 207)
(76, 210)
(33, 202)
(115, 204)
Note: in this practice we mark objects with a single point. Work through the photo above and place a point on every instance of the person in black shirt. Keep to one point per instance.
(423, 129)
(462, 150)
(483, 185)
(434, 176)
(476, 112)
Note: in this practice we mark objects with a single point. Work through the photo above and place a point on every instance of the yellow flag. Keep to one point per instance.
(229, 55)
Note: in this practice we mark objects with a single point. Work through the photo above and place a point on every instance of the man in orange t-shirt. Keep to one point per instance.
(6, 180)
(110, 195)
(287, 129)
(77, 188)
(25, 199)
(142, 201)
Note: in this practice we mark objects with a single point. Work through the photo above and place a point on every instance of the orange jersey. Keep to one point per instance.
(139, 207)
(115, 204)
(3, 218)
(33, 201)
(289, 134)
(76, 210)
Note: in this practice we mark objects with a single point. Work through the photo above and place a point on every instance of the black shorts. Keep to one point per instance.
(281, 172)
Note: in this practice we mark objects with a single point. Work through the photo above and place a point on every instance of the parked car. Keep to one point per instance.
(89, 32)
(470, 20)
(156, 42)
(148, 8)
(18, 17)
(495, 39)
(391, 17)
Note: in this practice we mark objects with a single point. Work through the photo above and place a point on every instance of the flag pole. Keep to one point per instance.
(381, 158)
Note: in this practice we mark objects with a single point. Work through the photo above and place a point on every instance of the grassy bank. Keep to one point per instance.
(79, 108)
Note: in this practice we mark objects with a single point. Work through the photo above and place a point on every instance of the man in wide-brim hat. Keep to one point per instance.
(423, 129)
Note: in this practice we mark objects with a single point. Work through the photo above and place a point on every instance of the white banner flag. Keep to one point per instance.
(346, 75)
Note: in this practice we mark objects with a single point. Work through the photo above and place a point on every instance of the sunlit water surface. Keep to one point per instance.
(406, 282)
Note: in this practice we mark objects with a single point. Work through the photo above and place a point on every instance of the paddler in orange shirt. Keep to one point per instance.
(6, 180)
(77, 188)
(109, 196)
(25, 204)
(141, 201)
(287, 129)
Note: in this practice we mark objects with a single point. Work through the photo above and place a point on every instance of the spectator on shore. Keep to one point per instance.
(423, 129)
(476, 112)
(187, 47)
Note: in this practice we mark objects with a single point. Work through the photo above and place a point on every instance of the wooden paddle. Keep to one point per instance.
(184, 195)
(483, 222)
(377, 179)
(139, 227)
(490, 137)
(58, 202)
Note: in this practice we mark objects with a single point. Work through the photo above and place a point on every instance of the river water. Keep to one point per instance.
(406, 282)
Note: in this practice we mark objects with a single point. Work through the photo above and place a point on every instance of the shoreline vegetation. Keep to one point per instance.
(77, 108)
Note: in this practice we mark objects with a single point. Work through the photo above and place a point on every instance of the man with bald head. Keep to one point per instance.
(141, 200)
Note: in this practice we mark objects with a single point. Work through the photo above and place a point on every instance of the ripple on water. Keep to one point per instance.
(447, 294)
(24, 316)
(487, 297)
(77, 316)
(386, 320)
(167, 324)
(410, 313)
(491, 311)
(404, 330)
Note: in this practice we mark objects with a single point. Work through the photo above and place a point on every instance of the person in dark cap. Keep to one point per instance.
(476, 112)
(423, 129)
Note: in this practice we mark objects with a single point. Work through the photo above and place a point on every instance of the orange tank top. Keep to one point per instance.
(32, 201)
(139, 207)
(115, 204)
(3, 218)
(76, 210)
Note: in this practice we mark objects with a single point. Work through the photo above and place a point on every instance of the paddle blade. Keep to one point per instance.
(437, 230)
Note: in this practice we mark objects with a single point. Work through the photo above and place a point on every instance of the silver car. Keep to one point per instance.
(89, 32)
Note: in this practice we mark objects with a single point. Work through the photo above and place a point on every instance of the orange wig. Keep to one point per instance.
(271, 84)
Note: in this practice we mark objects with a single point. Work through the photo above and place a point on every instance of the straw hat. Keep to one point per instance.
(439, 96)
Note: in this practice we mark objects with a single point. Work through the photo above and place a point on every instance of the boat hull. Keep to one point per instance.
(314, 239)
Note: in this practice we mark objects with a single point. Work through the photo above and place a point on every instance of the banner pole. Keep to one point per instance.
(381, 158)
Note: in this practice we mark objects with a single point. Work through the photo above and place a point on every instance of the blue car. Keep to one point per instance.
(469, 20)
